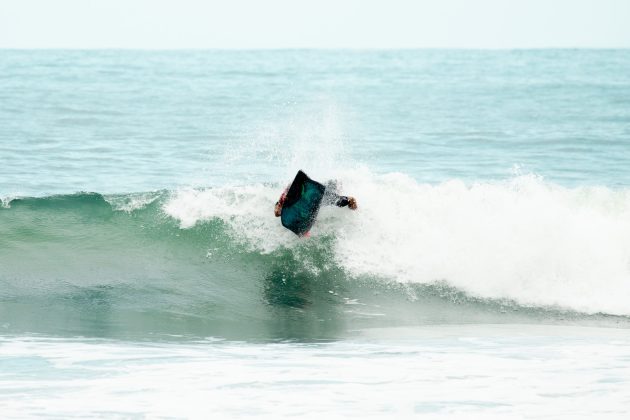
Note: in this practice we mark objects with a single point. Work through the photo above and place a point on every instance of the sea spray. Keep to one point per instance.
(524, 239)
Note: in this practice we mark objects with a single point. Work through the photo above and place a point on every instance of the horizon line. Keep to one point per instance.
(244, 49)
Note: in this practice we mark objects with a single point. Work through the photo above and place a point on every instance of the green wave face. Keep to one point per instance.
(74, 265)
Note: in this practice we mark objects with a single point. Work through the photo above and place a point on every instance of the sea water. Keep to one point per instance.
(485, 273)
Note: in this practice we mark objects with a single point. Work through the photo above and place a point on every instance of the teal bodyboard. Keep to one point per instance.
(301, 204)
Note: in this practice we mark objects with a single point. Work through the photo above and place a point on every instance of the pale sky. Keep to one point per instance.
(172, 24)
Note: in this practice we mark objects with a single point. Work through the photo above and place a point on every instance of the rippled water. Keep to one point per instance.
(120, 121)
(486, 272)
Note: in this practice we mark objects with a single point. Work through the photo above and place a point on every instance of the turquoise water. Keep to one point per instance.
(136, 218)
(120, 121)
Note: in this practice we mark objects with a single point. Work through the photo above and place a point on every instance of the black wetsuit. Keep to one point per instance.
(339, 201)
(332, 198)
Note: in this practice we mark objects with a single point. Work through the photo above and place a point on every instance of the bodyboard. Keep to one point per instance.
(301, 204)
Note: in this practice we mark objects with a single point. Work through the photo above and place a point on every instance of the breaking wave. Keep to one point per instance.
(412, 253)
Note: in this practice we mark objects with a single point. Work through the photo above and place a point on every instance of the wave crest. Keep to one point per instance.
(523, 239)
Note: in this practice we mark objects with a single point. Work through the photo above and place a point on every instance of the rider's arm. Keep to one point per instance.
(343, 201)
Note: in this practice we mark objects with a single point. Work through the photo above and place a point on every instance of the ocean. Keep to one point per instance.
(486, 272)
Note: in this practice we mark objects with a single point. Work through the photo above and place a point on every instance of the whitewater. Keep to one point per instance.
(485, 273)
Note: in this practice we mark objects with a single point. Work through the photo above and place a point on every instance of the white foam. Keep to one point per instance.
(248, 211)
(438, 372)
(130, 202)
(522, 239)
